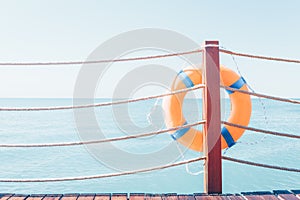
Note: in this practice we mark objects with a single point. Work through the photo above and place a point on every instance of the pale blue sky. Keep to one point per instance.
(56, 30)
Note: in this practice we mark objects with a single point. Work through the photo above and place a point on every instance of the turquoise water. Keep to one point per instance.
(57, 162)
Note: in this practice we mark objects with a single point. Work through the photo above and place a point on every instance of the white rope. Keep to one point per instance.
(259, 57)
(105, 103)
(260, 165)
(104, 175)
(262, 95)
(151, 112)
(262, 130)
(103, 140)
(98, 61)
(187, 169)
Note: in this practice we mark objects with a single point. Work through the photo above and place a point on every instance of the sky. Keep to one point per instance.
(56, 30)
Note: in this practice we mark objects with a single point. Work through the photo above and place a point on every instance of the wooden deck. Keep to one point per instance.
(275, 195)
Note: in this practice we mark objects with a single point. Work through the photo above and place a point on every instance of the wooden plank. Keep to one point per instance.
(253, 197)
(5, 196)
(287, 197)
(186, 197)
(85, 197)
(212, 115)
(52, 197)
(36, 197)
(170, 196)
(102, 197)
(119, 196)
(201, 197)
(235, 197)
(231, 197)
(297, 193)
(224, 197)
(70, 196)
(261, 197)
(269, 197)
(207, 197)
(18, 197)
(153, 197)
(137, 196)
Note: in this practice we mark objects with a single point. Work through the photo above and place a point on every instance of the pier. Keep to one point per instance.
(265, 195)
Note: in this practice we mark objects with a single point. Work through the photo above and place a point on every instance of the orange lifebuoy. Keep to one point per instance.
(193, 138)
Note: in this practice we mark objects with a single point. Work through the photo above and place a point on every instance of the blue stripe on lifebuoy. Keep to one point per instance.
(186, 79)
(237, 85)
(227, 136)
(180, 132)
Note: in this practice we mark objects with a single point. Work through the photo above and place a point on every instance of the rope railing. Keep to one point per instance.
(260, 165)
(105, 175)
(105, 103)
(262, 95)
(262, 130)
(259, 57)
(106, 139)
(99, 61)
(149, 133)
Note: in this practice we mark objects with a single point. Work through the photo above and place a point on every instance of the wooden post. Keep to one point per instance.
(212, 115)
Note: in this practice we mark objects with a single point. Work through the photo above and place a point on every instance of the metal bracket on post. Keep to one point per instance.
(212, 115)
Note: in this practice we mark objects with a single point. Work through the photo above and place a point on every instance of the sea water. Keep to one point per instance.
(73, 161)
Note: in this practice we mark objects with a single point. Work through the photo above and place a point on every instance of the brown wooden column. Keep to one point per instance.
(212, 115)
